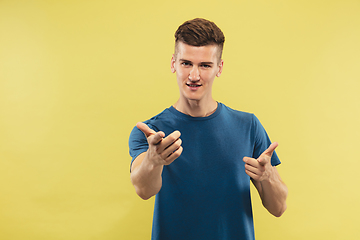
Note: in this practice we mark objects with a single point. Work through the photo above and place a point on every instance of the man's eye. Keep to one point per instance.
(206, 66)
(186, 64)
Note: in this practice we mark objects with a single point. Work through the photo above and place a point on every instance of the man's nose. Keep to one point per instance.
(194, 74)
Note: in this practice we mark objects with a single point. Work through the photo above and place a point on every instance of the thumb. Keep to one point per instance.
(149, 132)
(267, 154)
(145, 129)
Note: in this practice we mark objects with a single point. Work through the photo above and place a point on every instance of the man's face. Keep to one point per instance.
(196, 68)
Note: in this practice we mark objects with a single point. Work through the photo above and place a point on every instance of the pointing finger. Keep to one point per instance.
(263, 160)
(156, 138)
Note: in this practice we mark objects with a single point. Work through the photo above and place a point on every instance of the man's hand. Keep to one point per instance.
(162, 151)
(147, 168)
(261, 168)
(272, 190)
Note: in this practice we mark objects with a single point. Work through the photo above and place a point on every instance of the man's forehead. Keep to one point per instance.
(208, 52)
(184, 46)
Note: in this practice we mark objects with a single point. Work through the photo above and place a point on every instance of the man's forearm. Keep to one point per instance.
(273, 193)
(147, 168)
(145, 177)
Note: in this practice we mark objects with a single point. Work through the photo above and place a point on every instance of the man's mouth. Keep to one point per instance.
(193, 85)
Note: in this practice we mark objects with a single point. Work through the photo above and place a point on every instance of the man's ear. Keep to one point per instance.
(221, 66)
(173, 70)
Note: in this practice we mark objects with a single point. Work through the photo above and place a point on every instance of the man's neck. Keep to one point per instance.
(196, 108)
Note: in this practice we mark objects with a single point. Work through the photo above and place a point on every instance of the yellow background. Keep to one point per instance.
(76, 76)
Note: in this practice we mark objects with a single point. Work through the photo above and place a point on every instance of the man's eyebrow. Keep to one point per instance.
(202, 63)
(184, 60)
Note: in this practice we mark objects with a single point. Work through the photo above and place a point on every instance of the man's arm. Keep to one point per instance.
(272, 190)
(146, 169)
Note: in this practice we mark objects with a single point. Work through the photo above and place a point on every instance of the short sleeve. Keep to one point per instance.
(262, 141)
(137, 143)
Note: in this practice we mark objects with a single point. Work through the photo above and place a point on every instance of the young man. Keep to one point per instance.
(202, 180)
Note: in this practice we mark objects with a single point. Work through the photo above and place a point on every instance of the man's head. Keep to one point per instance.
(200, 32)
(197, 59)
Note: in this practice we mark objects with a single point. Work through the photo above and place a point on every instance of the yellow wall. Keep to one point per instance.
(76, 76)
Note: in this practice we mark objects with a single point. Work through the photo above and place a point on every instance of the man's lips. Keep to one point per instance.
(193, 85)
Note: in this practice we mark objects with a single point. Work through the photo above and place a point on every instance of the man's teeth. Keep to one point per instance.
(193, 85)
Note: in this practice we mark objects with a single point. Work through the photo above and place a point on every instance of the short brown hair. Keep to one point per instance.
(200, 32)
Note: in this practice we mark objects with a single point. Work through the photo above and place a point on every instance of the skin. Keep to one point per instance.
(147, 167)
(196, 69)
(196, 66)
(265, 177)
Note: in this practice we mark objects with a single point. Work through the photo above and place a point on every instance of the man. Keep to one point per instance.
(202, 180)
